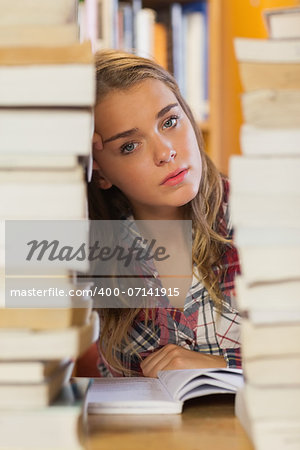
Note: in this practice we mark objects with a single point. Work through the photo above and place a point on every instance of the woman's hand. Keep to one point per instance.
(173, 356)
(97, 142)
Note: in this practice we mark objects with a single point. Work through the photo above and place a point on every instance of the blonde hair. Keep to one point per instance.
(116, 70)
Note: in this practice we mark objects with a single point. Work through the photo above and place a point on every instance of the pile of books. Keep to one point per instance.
(47, 91)
(265, 206)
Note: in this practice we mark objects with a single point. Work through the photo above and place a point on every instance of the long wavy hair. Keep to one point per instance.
(116, 70)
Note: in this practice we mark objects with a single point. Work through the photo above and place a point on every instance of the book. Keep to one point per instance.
(125, 9)
(176, 43)
(27, 371)
(145, 20)
(270, 263)
(164, 395)
(279, 370)
(260, 175)
(283, 23)
(37, 12)
(41, 35)
(250, 210)
(61, 131)
(79, 53)
(258, 340)
(60, 425)
(269, 402)
(107, 29)
(24, 344)
(32, 394)
(35, 194)
(161, 44)
(261, 141)
(68, 85)
(260, 75)
(37, 161)
(267, 50)
(275, 434)
(262, 297)
(196, 57)
(45, 318)
(267, 236)
(264, 108)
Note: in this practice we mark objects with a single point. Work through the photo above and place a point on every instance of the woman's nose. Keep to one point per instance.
(163, 152)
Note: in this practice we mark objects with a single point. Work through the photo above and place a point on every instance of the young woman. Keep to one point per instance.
(150, 164)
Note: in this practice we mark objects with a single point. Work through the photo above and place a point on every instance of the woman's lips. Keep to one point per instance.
(175, 177)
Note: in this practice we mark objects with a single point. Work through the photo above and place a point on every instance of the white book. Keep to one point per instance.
(275, 402)
(276, 434)
(65, 131)
(164, 395)
(272, 297)
(261, 175)
(195, 62)
(267, 236)
(271, 340)
(37, 12)
(266, 434)
(34, 395)
(283, 23)
(259, 141)
(58, 426)
(27, 371)
(37, 161)
(267, 50)
(107, 35)
(50, 345)
(261, 317)
(47, 85)
(38, 35)
(270, 263)
(264, 108)
(145, 20)
(281, 370)
(265, 210)
(43, 194)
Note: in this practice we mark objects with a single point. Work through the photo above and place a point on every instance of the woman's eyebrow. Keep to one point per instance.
(121, 135)
(128, 133)
(163, 111)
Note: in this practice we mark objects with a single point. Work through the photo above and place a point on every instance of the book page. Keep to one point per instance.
(180, 382)
(121, 395)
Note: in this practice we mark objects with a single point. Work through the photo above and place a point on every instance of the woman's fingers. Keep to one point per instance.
(97, 142)
(158, 359)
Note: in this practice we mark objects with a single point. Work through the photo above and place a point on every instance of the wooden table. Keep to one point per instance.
(207, 423)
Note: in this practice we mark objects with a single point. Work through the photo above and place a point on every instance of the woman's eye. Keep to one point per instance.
(171, 122)
(129, 148)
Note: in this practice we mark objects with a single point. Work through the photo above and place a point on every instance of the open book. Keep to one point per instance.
(163, 395)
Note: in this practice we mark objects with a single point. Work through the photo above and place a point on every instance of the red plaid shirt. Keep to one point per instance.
(199, 327)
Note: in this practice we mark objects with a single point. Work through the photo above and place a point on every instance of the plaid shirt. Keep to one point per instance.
(199, 327)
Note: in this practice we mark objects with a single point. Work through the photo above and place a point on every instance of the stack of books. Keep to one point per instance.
(265, 206)
(47, 91)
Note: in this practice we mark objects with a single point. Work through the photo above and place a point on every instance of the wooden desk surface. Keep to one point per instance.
(206, 423)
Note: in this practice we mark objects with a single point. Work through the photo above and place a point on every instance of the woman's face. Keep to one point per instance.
(150, 151)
